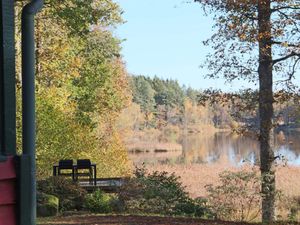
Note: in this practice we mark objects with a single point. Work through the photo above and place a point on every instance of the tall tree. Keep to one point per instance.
(81, 83)
(253, 40)
(143, 94)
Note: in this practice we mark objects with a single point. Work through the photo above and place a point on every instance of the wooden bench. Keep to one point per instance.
(66, 168)
(84, 167)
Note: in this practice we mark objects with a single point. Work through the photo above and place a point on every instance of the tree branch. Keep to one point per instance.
(285, 7)
(286, 57)
(292, 73)
(286, 44)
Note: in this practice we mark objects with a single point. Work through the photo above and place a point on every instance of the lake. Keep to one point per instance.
(224, 147)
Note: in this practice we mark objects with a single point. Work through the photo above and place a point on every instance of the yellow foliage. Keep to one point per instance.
(111, 157)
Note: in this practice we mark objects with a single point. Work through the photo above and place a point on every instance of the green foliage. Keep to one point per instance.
(143, 93)
(195, 207)
(165, 103)
(59, 136)
(47, 205)
(168, 92)
(81, 85)
(147, 92)
(161, 101)
(101, 85)
(158, 193)
(193, 95)
(101, 13)
(79, 16)
(237, 197)
(111, 157)
(71, 196)
(98, 202)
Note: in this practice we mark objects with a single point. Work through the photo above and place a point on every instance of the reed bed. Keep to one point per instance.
(196, 176)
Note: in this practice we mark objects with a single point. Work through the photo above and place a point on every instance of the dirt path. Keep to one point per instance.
(135, 220)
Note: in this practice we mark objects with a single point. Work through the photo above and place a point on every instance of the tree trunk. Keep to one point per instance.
(266, 110)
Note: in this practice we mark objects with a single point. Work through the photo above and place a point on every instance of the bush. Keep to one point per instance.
(295, 209)
(288, 208)
(158, 193)
(237, 197)
(195, 207)
(47, 205)
(71, 195)
(99, 202)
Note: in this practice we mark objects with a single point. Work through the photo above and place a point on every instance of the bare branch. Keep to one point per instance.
(292, 73)
(285, 7)
(293, 54)
(286, 16)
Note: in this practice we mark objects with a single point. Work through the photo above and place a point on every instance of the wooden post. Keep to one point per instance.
(7, 79)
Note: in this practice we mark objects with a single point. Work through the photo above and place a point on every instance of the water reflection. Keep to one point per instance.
(219, 147)
(228, 148)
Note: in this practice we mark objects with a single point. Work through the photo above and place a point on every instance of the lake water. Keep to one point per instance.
(224, 147)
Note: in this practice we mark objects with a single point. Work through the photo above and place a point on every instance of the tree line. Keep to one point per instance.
(164, 102)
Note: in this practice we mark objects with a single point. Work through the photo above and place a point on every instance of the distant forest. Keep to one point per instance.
(159, 103)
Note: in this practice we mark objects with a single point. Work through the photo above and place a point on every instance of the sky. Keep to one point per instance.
(164, 38)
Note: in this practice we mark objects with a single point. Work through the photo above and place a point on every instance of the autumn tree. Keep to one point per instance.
(81, 84)
(257, 41)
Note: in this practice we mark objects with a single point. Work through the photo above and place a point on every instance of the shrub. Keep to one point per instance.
(47, 205)
(98, 202)
(71, 195)
(195, 207)
(295, 209)
(237, 197)
(288, 208)
(158, 193)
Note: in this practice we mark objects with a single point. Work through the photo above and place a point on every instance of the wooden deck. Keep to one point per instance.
(110, 185)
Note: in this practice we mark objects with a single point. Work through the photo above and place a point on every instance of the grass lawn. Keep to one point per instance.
(134, 220)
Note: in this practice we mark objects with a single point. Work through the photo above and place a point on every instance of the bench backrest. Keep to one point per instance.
(65, 164)
(83, 164)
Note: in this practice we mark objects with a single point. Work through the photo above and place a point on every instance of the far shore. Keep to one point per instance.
(153, 147)
(152, 143)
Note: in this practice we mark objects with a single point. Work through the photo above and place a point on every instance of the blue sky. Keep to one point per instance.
(164, 38)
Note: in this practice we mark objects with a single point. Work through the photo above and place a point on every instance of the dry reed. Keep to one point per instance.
(196, 176)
